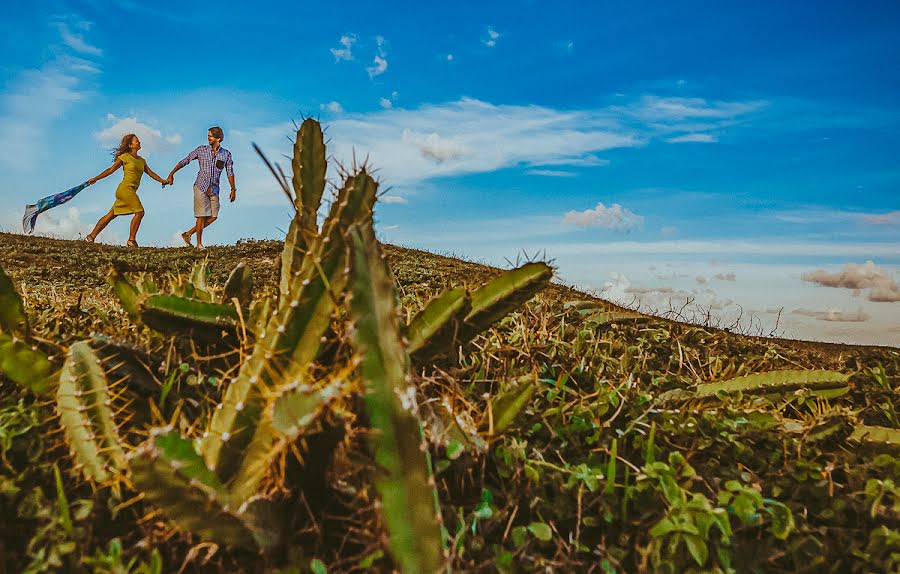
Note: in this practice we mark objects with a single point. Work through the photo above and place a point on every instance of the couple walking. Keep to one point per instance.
(212, 159)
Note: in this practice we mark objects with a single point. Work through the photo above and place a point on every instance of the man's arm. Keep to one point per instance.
(229, 169)
(188, 159)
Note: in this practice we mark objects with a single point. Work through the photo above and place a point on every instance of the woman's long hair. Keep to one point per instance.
(124, 146)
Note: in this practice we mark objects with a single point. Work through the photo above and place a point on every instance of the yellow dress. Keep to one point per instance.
(127, 200)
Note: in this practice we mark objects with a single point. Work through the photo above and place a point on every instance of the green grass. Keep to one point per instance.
(587, 472)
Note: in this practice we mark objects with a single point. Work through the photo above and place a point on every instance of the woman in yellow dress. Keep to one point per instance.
(127, 200)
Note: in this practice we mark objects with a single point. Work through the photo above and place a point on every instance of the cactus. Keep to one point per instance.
(291, 410)
(292, 335)
(173, 314)
(128, 294)
(13, 319)
(433, 330)
(503, 295)
(239, 286)
(309, 167)
(26, 365)
(197, 286)
(775, 382)
(85, 414)
(878, 438)
(507, 405)
(404, 481)
(170, 473)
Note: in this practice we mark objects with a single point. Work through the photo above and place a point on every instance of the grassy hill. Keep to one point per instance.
(571, 436)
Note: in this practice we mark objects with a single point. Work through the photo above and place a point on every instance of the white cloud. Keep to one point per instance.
(152, 139)
(490, 40)
(668, 230)
(379, 68)
(882, 287)
(449, 57)
(890, 218)
(76, 40)
(726, 276)
(346, 52)
(614, 217)
(411, 146)
(35, 98)
(65, 223)
(392, 199)
(836, 315)
(693, 138)
(386, 103)
(333, 107)
(550, 173)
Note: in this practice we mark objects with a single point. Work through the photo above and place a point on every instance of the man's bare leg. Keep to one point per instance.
(202, 223)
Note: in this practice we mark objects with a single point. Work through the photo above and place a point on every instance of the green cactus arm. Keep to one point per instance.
(507, 405)
(503, 295)
(128, 295)
(291, 254)
(198, 284)
(260, 311)
(309, 167)
(292, 336)
(12, 309)
(290, 411)
(879, 437)
(775, 382)
(239, 285)
(433, 329)
(173, 477)
(25, 365)
(404, 478)
(174, 314)
(85, 414)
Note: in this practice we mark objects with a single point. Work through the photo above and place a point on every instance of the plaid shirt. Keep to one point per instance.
(209, 175)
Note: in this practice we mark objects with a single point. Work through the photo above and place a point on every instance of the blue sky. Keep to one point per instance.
(742, 158)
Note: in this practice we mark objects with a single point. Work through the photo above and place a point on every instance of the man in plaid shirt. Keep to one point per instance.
(212, 159)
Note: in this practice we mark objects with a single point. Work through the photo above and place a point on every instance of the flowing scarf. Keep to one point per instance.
(32, 211)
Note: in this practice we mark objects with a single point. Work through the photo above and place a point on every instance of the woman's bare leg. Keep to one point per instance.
(101, 225)
(135, 225)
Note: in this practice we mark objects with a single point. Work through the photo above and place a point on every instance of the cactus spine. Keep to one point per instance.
(406, 484)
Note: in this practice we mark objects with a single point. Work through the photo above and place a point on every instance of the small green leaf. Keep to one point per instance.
(455, 449)
(697, 547)
(541, 531)
(518, 536)
(316, 566)
(782, 519)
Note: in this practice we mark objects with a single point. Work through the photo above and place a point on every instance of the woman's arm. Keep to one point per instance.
(152, 174)
(116, 165)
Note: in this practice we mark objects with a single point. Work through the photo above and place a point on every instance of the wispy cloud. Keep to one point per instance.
(36, 98)
(380, 62)
(386, 103)
(614, 217)
(490, 38)
(71, 33)
(836, 315)
(882, 287)
(726, 276)
(890, 218)
(333, 107)
(410, 146)
(393, 199)
(152, 139)
(693, 138)
(345, 53)
(550, 173)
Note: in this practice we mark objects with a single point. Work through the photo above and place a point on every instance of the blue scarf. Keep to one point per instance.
(32, 211)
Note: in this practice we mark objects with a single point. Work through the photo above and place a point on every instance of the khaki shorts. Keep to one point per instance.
(205, 205)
